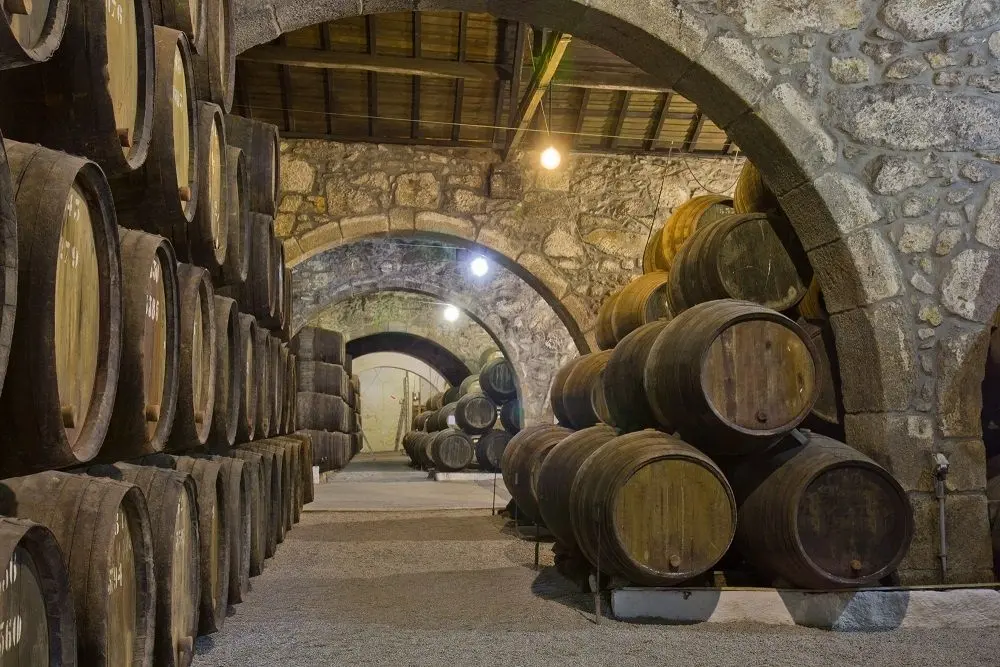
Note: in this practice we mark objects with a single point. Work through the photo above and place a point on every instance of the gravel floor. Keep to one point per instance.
(456, 588)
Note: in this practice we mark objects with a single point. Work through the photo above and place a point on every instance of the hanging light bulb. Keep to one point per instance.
(551, 159)
(479, 267)
(451, 313)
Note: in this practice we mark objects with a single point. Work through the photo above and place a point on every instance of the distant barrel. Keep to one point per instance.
(271, 463)
(469, 385)
(261, 360)
(188, 16)
(258, 509)
(322, 412)
(259, 142)
(511, 416)
(624, 391)
(475, 413)
(581, 395)
(228, 375)
(752, 195)
(498, 380)
(247, 421)
(683, 222)
(323, 345)
(196, 388)
(490, 448)
(240, 484)
(208, 236)
(604, 332)
(521, 461)
(443, 418)
(642, 301)
(451, 450)
(237, 262)
(555, 391)
(331, 450)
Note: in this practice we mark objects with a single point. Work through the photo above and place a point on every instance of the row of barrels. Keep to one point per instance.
(329, 397)
(126, 563)
(654, 510)
(451, 449)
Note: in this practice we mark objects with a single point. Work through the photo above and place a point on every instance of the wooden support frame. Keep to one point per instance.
(545, 69)
(372, 77)
(285, 79)
(415, 83)
(329, 98)
(502, 27)
(616, 130)
(456, 115)
(697, 121)
(659, 117)
(581, 116)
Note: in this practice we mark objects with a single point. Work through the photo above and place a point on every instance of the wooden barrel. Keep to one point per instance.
(511, 417)
(407, 441)
(259, 141)
(475, 413)
(330, 451)
(469, 385)
(246, 424)
(651, 257)
(556, 390)
(276, 299)
(146, 401)
(451, 395)
(258, 290)
(435, 402)
(685, 219)
(305, 438)
(8, 261)
(489, 355)
(271, 462)
(421, 420)
(321, 412)
(65, 350)
(104, 530)
(624, 391)
(208, 238)
(520, 463)
(498, 380)
(237, 262)
(736, 257)
(94, 97)
(812, 306)
(275, 377)
(754, 380)
(281, 496)
(315, 344)
(213, 527)
(752, 195)
(581, 394)
(286, 316)
(188, 16)
(196, 388)
(228, 375)
(829, 408)
(821, 515)
(642, 301)
(260, 483)
(172, 501)
(262, 359)
(443, 418)
(357, 443)
(556, 475)
(289, 390)
(604, 332)
(240, 484)
(36, 594)
(651, 509)
(451, 450)
(293, 450)
(215, 65)
(161, 197)
(30, 32)
(490, 448)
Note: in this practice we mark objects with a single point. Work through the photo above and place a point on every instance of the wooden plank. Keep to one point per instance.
(456, 116)
(660, 115)
(697, 120)
(515, 82)
(415, 94)
(597, 78)
(330, 103)
(616, 129)
(581, 116)
(372, 77)
(445, 69)
(286, 94)
(545, 68)
(502, 25)
(242, 91)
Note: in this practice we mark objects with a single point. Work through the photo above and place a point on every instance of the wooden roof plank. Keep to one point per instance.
(548, 63)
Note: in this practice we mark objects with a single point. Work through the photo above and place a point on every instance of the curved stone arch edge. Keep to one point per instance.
(456, 361)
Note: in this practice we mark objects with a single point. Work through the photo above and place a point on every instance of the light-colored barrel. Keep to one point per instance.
(31, 31)
(259, 141)
(237, 262)
(215, 65)
(207, 237)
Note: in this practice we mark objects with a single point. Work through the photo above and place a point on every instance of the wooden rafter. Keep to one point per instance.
(286, 95)
(545, 68)
(691, 139)
(242, 92)
(415, 93)
(329, 99)
(456, 115)
(502, 26)
(515, 82)
(599, 79)
(659, 117)
(372, 77)
(616, 129)
(581, 116)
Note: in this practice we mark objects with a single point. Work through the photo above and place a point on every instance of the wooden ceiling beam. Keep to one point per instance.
(659, 117)
(697, 121)
(329, 98)
(599, 79)
(285, 79)
(242, 92)
(415, 92)
(517, 66)
(545, 69)
(456, 115)
(581, 117)
(616, 130)
(372, 77)
(502, 25)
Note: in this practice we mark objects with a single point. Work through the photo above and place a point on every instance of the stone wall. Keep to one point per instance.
(406, 312)
(578, 231)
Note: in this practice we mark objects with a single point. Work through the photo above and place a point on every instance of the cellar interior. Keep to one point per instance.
(474, 330)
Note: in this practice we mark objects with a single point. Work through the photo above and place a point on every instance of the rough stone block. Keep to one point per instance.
(831, 207)
(729, 79)
(891, 174)
(292, 251)
(256, 23)
(662, 23)
(401, 218)
(971, 288)
(418, 190)
(859, 270)
(762, 18)
(363, 226)
(295, 14)
(499, 241)
(961, 364)
(850, 70)
(967, 526)
(540, 269)
(505, 182)
(320, 238)
(988, 220)
(296, 175)
(876, 346)
(917, 21)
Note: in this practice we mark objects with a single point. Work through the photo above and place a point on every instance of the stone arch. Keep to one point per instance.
(521, 322)
(871, 129)
(432, 353)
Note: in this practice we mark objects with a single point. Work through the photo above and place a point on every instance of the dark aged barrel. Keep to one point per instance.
(475, 413)
(604, 332)
(556, 475)
(146, 401)
(451, 450)
(8, 261)
(331, 451)
(215, 65)
(624, 391)
(418, 448)
(249, 379)
(258, 290)
(581, 395)
(451, 395)
(736, 257)
(556, 390)
(829, 407)
(305, 464)
(171, 498)
(31, 31)
(420, 420)
(286, 313)
(469, 385)
(520, 463)
(276, 376)
(262, 360)
(642, 301)
(276, 298)
(239, 485)
(436, 401)
(271, 463)
(161, 197)
(207, 237)
(259, 141)
(685, 219)
(321, 412)
(39, 620)
(443, 418)
(820, 514)
(292, 448)
(489, 355)
(498, 380)
(732, 376)
(651, 509)
(283, 499)
(228, 374)
(196, 389)
(280, 380)
(213, 528)
(289, 392)
(188, 16)
(95, 96)
(490, 448)
(511, 417)
(259, 488)
(315, 344)
(103, 528)
(752, 195)
(65, 351)
(237, 262)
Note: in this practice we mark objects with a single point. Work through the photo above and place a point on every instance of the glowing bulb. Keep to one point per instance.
(551, 158)
(451, 313)
(479, 267)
